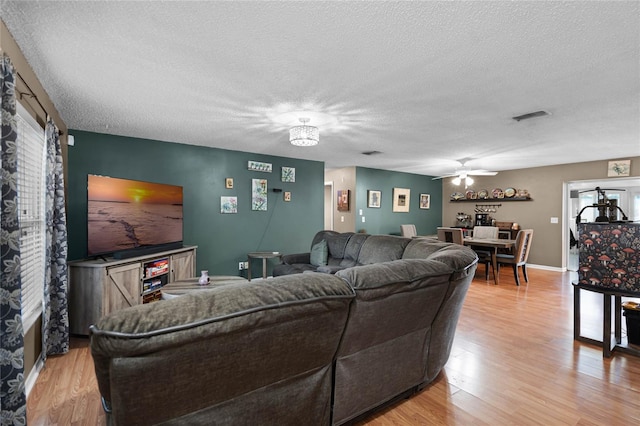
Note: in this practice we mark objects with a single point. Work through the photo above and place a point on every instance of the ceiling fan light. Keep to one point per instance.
(469, 180)
(456, 181)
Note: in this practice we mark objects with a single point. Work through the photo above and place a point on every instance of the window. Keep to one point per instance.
(31, 147)
(590, 198)
(634, 214)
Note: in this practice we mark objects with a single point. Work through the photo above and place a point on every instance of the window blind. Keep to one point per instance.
(31, 204)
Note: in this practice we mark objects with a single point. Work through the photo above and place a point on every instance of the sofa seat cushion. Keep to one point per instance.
(296, 268)
(382, 248)
(330, 269)
(292, 259)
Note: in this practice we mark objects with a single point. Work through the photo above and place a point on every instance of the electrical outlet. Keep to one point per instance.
(246, 265)
(240, 266)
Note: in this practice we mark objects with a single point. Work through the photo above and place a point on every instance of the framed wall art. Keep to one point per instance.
(373, 199)
(425, 201)
(288, 174)
(259, 194)
(343, 200)
(259, 166)
(401, 200)
(619, 168)
(228, 205)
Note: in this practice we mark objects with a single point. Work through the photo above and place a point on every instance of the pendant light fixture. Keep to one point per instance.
(304, 135)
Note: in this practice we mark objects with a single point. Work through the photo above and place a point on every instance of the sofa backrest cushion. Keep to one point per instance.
(299, 323)
(352, 250)
(457, 256)
(384, 275)
(403, 316)
(382, 248)
(421, 248)
(322, 235)
(336, 244)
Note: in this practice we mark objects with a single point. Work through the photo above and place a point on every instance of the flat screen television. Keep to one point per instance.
(127, 217)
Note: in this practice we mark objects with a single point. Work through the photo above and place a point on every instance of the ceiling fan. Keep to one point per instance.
(464, 173)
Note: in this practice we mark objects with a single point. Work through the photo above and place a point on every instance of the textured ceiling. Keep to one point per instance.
(425, 83)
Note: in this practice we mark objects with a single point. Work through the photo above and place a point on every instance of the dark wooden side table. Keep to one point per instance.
(607, 346)
(264, 255)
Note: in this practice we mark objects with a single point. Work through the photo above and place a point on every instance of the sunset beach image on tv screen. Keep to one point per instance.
(125, 214)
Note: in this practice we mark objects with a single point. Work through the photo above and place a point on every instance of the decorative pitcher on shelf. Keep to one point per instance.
(204, 278)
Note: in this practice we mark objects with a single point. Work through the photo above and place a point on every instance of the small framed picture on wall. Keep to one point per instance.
(373, 199)
(425, 201)
(401, 199)
(288, 174)
(343, 200)
(619, 168)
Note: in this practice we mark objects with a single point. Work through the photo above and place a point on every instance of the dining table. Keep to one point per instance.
(493, 244)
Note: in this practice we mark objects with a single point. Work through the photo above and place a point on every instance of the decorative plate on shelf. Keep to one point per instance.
(497, 193)
(509, 192)
(483, 194)
(471, 194)
(457, 196)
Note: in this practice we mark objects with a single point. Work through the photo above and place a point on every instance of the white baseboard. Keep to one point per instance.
(33, 375)
(546, 268)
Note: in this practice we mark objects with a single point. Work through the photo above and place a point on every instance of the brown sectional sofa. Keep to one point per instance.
(305, 348)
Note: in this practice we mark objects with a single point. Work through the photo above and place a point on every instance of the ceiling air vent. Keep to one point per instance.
(372, 152)
(531, 115)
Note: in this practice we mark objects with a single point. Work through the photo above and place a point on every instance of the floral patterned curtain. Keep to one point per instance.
(13, 401)
(55, 315)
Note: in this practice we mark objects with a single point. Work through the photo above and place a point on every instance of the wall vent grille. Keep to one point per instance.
(531, 115)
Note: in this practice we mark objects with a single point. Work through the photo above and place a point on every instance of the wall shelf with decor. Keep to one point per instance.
(490, 200)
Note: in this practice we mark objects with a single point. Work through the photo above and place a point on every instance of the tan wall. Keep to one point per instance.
(344, 178)
(545, 184)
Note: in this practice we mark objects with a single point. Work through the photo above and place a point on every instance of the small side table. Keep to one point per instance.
(264, 255)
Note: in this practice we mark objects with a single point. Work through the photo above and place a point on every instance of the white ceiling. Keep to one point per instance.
(426, 83)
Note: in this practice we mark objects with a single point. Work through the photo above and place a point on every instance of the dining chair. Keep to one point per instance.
(409, 230)
(520, 254)
(450, 235)
(490, 232)
(484, 255)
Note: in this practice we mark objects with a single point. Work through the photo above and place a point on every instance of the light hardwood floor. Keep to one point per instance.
(513, 362)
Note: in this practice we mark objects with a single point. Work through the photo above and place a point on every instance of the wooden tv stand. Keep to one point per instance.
(100, 286)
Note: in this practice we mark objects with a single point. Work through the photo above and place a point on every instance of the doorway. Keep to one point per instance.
(578, 194)
(328, 205)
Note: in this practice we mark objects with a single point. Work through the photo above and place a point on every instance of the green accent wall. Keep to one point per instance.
(223, 240)
(383, 220)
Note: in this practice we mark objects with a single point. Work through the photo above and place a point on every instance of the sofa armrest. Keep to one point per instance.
(296, 258)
